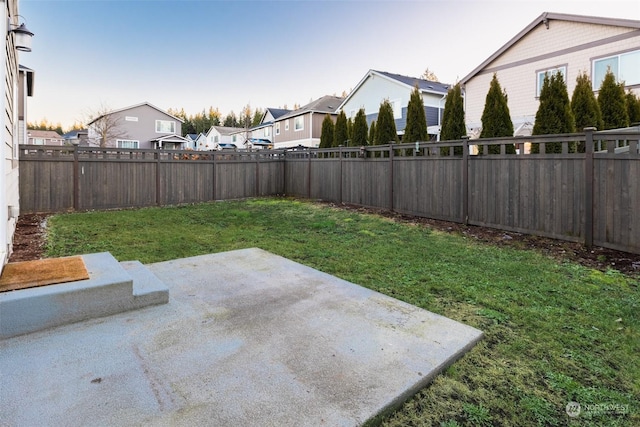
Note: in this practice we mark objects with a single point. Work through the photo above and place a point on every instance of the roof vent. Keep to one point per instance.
(430, 87)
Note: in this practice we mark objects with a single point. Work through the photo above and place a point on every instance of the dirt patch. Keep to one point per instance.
(30, 238)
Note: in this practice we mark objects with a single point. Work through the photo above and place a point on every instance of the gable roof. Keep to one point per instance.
(75, 133)
(327, 104)
(425, 86)
(135, 106)
(225, 130)
(544, 19)
(275, 112)
(49, 134)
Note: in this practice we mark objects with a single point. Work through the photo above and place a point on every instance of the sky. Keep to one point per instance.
(90, 55)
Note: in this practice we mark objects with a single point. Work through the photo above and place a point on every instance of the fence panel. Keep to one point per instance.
(326, 179)
(429, 186)
(109, 184)
(537, 195)
(46, 184)
(367, 182)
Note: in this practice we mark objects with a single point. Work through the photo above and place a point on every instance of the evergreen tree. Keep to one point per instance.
(453, 126)
(416, 128)
(611, 99)
(372, 133)
(360, 129)
(585, 107)
(386, 125)
(554, 114)
(633, 108)
(349, 132)
(231, 120)
(496, 119)
(340, 135)
(326, 137)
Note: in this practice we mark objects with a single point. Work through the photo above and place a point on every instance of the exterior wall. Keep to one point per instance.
(223, 138)
(144, 129)
(376, 89)
(571, 44)
(31, 139)
(308, 136)
(9, 191)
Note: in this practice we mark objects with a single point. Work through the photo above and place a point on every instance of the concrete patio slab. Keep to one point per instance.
(248, 338)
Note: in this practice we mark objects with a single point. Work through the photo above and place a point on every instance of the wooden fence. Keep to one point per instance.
(590, 197)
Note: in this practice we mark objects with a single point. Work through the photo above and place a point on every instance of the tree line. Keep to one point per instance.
(556, 114)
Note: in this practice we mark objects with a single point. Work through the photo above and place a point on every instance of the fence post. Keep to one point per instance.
(341, 174)
(589, 185)
(309, 174)
(157, 153)
(465, 180)
(76, 179)
(258, 173)
(391, 176)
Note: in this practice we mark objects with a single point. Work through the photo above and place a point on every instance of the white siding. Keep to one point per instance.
(9, 192)
(519, 78)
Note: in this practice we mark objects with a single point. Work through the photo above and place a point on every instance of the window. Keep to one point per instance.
(625, 66)
(165, 126)
(216, 139)
(267, 131)
(352, 114)
(551, 71)
(131, 119)
(298, 123)
(286, 125)
(278, 128)
(126, 143)
(234, 138)
(38, 141)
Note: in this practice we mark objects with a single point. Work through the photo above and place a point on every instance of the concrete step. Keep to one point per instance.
(112, 288)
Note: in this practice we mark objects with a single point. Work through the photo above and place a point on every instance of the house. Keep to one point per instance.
(218, 135)
(553, 42)
(17, 84)
(77, 137)
(44, 137)
(139, 126)
(196, 140)
(376, 86)
(302, 127)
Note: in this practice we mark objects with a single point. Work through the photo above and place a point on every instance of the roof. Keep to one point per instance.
(171, 138)
(544, 19)
(276, 112)
(49, 134)
(136, 106)
(226, 130)
(425, 86)
(327, 104)
(74, 133)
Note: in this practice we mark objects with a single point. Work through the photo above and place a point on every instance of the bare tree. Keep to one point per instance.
(429, 75)
(105, 127)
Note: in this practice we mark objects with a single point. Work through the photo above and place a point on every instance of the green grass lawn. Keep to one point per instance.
(554, 332)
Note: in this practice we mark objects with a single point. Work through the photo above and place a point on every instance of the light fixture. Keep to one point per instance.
(22, 36)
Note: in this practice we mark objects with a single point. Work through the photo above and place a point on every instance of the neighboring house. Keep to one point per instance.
(17, 84)
(302, 127)
(77, 137)
(376, 86)
(223, 135)
(139, 126)
(44, 137)
(196, 140)
(570, 44)
(266, 129)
